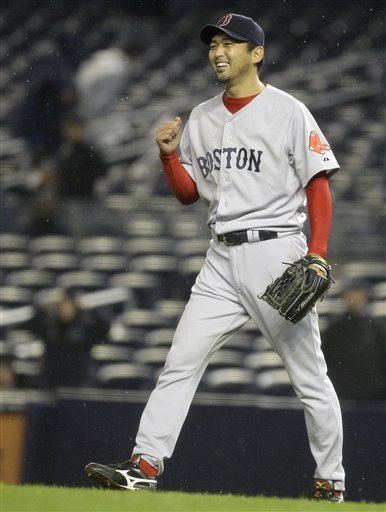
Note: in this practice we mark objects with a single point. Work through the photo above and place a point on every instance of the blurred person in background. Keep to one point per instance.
(45, 216)
(101, 80)
(104, 77)
(78, 163)
(7, 375)
(69, 332)
(49, 96)
(70, 174)
(355, 348)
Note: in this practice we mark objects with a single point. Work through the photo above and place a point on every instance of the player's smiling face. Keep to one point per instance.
(230, 59)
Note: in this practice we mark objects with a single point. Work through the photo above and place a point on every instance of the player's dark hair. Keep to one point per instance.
(252, 46)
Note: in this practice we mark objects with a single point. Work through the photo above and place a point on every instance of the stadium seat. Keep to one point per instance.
(47, 297)
(29, 350)
(55, 262)
(124, 376)
(108, 263)
(15, 336)
(226, 357)
(16, 318)
(126, 203)
(144, 225)
(143, 318)
(274, 382)
(260, 344)
(52, 244)
(106, 352)
(374, 271)
(109, 301)
(28, 373)
(378, 291)
(100, 245)
(170, 309)
(13, 242)
(130, 337)
(14, 296)
(154, 357)
(331, 306)
(162, 266)
(82, 280)
(163, 205)
(263, 360)
(194, 247)
(377, 308)
(32, 279)
(229, 380)
(159, 337)
(145, 287)
(187, 227)
(13, 261)
(142, 246)
(250, 327)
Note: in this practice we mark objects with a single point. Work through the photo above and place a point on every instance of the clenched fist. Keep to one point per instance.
(168, 136)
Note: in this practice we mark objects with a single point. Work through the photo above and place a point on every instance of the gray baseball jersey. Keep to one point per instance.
(251, 167)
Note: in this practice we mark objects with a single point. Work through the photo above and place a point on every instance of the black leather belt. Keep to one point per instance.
(241, 237)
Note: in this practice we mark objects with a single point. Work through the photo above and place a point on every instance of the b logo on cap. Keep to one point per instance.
(225, 20)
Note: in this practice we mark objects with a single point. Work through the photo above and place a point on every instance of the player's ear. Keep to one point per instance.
(257, 54)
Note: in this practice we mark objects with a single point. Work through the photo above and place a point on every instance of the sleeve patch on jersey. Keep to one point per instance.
(315, 144)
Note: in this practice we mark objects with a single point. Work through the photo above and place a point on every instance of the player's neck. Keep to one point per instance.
(244, 88)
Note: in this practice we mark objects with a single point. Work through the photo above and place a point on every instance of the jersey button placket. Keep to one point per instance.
(223, 171)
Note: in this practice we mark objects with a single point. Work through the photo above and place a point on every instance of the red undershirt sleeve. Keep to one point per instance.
(319, 204)
(178, 178)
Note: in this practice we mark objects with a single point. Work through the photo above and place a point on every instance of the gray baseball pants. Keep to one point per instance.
(222, 300)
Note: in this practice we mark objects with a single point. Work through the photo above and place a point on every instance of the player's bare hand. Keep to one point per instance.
(168, 136)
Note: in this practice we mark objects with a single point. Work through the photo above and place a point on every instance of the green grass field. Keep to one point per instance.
(39, 498)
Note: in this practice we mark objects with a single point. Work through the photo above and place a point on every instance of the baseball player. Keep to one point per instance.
(254, 155)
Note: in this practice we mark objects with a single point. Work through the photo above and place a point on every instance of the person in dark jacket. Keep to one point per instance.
(79, 164)
(48, 97)
(355, 348)
(68, 332)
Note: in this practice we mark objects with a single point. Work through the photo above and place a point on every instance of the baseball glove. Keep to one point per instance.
(297, 290)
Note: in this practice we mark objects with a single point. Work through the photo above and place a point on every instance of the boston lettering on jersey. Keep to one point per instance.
(242, 158)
